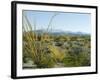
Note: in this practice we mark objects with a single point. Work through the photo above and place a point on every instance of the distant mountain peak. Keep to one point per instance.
(61, 32)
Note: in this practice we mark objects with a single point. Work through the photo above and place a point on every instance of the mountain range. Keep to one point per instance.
(60, 32)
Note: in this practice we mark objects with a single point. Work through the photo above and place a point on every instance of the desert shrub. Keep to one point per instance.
(77, 56)
(58, 43)
(69, 61)
(46, 61)
(56, 53)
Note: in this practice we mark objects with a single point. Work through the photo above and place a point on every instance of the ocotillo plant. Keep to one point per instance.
(34, 44)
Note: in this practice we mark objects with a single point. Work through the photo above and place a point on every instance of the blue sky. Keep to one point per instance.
(75, 22)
